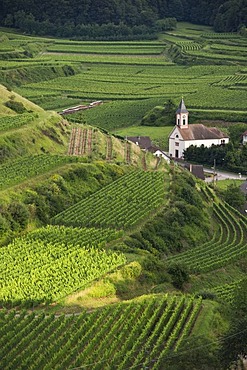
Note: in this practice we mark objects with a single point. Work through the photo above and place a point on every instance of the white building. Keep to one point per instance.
(183, 135)
(245, 137)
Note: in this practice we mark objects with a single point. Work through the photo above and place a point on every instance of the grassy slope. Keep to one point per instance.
(5, 95)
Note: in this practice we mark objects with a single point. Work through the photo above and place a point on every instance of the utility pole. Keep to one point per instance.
(214, 172)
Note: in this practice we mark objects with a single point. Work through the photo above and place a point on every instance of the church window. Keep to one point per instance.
(178, 121)
(177, 144)
(223, 141)
(184, 120)
(177, 136)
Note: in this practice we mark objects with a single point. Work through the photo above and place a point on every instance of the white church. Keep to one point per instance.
(183, 135)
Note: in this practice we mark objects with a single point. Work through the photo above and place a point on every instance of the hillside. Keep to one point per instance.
(110, 257)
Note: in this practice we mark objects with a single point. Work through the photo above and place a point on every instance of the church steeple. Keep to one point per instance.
(182, 115)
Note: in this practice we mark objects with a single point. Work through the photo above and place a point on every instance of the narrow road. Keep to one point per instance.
(223, 175)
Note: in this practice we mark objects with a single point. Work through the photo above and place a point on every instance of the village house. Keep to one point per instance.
(184, 135)
(145, 143)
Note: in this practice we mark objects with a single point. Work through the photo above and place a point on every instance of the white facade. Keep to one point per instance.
(159, 153)
(177, 144)
(184, 135)
(245, 138)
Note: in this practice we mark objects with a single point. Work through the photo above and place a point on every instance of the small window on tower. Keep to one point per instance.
(184, 120)
(178, 121)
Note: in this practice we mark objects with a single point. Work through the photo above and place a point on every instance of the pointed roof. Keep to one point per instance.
(182, 107)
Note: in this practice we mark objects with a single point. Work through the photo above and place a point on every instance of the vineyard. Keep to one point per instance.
(227, 245)
(12, 122)
(122, 204)
(50, 263)
(80, 141)
(125, 235)
(26, 167)
(132, 335)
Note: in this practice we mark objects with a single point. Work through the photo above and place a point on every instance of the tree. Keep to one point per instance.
(179, 273)
(234, 196)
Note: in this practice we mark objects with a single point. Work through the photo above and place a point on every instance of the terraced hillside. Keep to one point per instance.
(92, 228)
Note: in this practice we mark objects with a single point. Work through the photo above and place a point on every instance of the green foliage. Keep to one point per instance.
(131, 271)
(160, 116)
(18, 215)
(179, 274)
(234, 196)
(56, 268)
(151, 324)
(102, 289)
(120, 205)
(226, 156)
(16, 106)
(195, 353)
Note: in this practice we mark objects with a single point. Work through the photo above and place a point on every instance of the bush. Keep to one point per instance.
(179, 274)
(16, 106)
(102, 289)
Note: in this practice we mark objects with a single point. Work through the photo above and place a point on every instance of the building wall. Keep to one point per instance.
(179, 145)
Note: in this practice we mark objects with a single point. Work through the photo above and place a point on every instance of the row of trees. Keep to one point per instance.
(232, 156)
(225, 156)
(145, 29)
(49, 18)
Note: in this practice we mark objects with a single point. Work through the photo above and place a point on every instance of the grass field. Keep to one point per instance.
(158, 135)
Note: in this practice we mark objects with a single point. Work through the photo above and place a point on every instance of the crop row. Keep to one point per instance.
(107, 49)
(123, 336)
(22, 169)
(189, 45)
(80, 141)
(233, 79)
(139, 82)
(53, 262)
(10, 122)
(226, 291)
(228, 245)
(153, 60)
(119, 205)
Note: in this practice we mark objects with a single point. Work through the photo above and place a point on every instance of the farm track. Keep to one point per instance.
(128, 152)
(144, 163)
(109, 148)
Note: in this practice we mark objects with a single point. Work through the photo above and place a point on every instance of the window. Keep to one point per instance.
(177, 136)
(178, 121)
(223, 141)
(176, 144)
(184, 120)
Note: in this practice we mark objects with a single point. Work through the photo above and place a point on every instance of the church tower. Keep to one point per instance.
(182, 115)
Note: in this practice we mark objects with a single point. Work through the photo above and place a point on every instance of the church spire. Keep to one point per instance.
(182, 115)
(181, 107)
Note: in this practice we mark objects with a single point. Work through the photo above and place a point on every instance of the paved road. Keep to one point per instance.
(223, 175)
